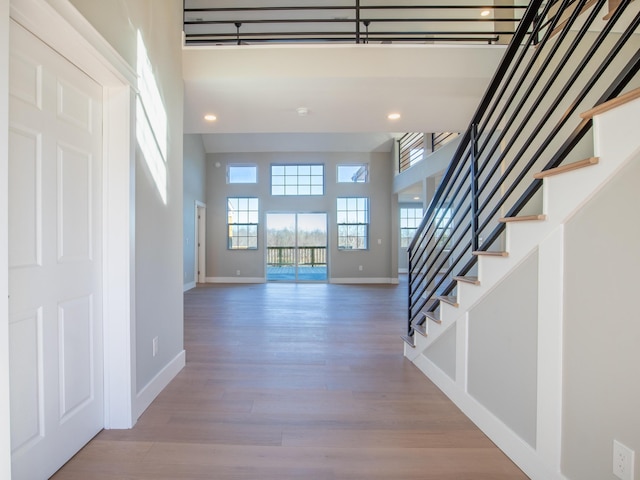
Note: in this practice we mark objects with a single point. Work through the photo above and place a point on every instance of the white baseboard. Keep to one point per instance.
(152, 389)
(345, 281)
(235, 280)
(188, 286)
(364, 280)
(519, 451)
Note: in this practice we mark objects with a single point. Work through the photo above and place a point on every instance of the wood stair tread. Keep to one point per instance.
(453, 301)
(421, 329)
(433, 316)
(524, 218)
(587, 162)
(611, 104)
(409, 341)
(613, 6)
(563, 23)
(468, 279)
(490, 254)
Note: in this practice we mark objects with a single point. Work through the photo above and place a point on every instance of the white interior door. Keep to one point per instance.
(55, 258)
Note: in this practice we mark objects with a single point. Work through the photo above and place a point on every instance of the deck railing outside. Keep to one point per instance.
(286, 256)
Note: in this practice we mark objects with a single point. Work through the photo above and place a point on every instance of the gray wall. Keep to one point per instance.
(602, 329)
(443, 352)
(503, 350)
(378, 262)
(158, 226)
(195, 185)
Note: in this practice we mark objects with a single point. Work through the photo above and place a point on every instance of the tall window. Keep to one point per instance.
(297, 179)
(242, 223)
(353, 223)
(410, 218)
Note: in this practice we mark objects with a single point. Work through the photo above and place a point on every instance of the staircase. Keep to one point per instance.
(565, 190)
(487, 306)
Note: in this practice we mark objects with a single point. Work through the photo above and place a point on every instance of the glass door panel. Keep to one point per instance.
(312, 247)
(297, 247)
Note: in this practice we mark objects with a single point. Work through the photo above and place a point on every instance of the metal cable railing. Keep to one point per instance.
(564, 59)
(348, 21)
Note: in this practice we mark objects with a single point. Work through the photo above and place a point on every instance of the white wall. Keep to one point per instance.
(158, 226)
(379, 262)
(601, 330)
(5, 446)
(194, 177)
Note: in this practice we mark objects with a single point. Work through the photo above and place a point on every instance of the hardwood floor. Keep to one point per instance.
(295, 381)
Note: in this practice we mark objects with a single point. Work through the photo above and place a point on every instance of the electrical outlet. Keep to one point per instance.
(237, 272)
(360, 267)
(623, 459)
(155, 346)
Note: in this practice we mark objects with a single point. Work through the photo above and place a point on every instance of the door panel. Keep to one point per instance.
(55, 258)
(297, 247)
(312, 246)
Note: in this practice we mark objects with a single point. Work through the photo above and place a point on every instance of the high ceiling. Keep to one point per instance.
(344, 89)
(271, 93)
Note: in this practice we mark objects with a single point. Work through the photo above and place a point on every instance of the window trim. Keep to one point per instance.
(230, 237)
(415, 229)
(358, 224)
(360, 165)
(241, 165)
(297, 185)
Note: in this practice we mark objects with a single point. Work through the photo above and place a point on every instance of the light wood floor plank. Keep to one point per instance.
(296, 381)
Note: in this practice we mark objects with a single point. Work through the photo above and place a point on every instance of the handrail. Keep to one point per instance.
(527, 121)
(354, 23)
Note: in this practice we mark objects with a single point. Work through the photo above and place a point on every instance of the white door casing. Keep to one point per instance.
(200, 243)
(55, 257)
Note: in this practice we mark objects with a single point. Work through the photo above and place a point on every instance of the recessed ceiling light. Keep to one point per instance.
(210, 117)
(485, 13)
(302, 111)
(393, 116)
(416, 198)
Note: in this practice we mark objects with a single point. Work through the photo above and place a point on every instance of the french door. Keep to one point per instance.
(297, 247)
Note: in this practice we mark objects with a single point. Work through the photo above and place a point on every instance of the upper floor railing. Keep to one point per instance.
(413, 147)
(348, 21)
(566, 57)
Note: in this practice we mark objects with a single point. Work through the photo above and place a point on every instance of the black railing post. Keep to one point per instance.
(357, 21)
(474, 187)
(238, 25)
(410, 296)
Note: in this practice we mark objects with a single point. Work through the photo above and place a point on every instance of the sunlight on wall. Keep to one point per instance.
(151, 121)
